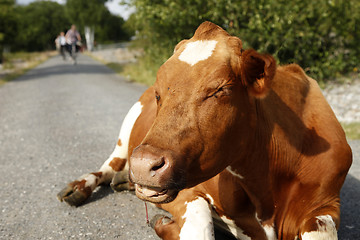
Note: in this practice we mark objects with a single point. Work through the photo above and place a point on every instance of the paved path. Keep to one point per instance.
(59, 121)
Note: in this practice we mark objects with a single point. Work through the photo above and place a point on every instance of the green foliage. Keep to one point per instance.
(85, 12)
(38, 25)
(93, 13)
(144, 71)
(110, 29)
(7, 24)
(321, 35)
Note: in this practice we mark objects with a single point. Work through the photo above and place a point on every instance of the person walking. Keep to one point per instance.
(73, 39)
(62, 44)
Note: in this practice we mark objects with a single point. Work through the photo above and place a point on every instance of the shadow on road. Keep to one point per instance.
(99, 193)
(350, 209)
(65, 68)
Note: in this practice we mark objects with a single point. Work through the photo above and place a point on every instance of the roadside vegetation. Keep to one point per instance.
(17, 64)
(321, 36)
(352, 130)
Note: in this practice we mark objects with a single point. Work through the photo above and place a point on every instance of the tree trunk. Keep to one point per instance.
(89, 36)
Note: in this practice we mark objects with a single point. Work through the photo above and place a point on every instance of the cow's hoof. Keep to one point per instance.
(120, 182)
(160, 219)
(71, 196)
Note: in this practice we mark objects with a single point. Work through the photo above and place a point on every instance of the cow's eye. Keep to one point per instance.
(217, 93)
(157, 97)
(222, 91)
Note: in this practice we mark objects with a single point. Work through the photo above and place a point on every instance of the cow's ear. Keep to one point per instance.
(257, 72)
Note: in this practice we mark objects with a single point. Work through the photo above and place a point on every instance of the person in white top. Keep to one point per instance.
(62, 44)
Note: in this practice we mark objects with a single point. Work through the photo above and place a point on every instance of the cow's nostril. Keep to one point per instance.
(160, 164)
(157, 167)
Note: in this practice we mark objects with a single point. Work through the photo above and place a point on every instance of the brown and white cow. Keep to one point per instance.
(227, 137)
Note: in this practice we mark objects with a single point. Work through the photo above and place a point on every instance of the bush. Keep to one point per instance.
(321, 36)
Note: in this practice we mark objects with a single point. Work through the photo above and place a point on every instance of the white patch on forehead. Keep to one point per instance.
(198, 221)
(230, 170)
(326, 230)
(197, 51)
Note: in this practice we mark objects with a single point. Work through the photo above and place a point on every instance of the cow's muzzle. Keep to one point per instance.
(155, 194)
(152, 174)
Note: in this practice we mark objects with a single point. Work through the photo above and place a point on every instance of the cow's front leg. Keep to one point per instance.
(191, 220)
(76, 192)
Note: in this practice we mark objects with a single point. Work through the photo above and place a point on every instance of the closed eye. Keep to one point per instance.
(215, 94)
(222, 91)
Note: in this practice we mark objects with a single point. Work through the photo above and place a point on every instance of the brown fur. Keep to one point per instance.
(117, 164)
(270, 123)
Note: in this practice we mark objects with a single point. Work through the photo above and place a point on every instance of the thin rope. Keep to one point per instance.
(147, 215)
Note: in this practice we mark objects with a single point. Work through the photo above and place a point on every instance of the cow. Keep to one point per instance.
(226, 137)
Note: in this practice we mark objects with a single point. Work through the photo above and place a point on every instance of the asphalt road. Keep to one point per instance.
(60, 121)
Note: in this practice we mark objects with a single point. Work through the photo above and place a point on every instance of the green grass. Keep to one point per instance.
(116, 67)
(144, 71)
(10, 76)
(352, 130)
(141, 72)
(28, 60)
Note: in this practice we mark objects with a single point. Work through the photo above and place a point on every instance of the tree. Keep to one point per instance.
(86, 14)
(7, 25)
(38, 25)
(111, 29)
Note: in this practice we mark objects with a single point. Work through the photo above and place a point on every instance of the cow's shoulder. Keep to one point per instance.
(293, 74)
(294, 69)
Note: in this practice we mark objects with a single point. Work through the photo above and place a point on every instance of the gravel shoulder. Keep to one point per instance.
(59, 121)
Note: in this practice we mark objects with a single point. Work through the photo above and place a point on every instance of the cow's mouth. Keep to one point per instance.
(155, 194)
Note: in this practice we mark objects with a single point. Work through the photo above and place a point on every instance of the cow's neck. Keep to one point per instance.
(276, 121)
(252, 166)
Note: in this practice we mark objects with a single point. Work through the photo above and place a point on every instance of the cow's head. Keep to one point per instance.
(205, 104)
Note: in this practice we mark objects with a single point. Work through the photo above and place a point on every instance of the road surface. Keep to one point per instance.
(60, 121)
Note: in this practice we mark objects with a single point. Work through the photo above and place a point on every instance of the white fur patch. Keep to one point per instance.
(124, 136)
(237, 232)
(230, 170)
(197, 51)
(270, 232)
(326, 230)
(198, 221)
(125, 131)
(90, 181)
(257, 218)
(210, 199)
